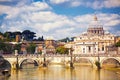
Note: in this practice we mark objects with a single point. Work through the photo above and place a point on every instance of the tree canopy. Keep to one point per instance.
(6, 48)
(28, 35)
(61, 50)
(31, 48)
(17, 47)
(117, 44)
(1, 33)
(67, 39)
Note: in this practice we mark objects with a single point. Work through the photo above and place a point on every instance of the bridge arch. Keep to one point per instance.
(84, 60)
(110, 61)
(35, 62)
(5, 64)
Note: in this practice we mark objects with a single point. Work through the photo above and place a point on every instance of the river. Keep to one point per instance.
(58, 72)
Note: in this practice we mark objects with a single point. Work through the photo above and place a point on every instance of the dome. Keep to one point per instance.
(95, 23)
(95, 27)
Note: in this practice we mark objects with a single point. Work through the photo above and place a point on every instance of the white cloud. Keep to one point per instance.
(76, 3)
(84, 18)
(111, 3)
(40, 18)
(110, 20)
(103, 4)
(58, 1)
(113, 23)
(17, 10)
(5, 0)
(72, 3)
(95, 4)
(117, 33)
(47, 20)
(44, 16)
(65, 32)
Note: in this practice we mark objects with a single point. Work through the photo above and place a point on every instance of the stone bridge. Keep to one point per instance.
(64, 59)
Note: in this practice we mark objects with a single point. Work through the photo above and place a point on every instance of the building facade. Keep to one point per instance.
(1, 37)
(18, 38)
(117, 39)
(50, 46)
(95, 40)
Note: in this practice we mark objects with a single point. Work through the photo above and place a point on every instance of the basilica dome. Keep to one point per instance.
(95, 27)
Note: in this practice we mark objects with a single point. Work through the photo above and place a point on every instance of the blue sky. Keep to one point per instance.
(58, 18)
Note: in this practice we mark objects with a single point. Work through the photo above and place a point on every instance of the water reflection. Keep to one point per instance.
(98, 74)
(59, 72)
(73, 74)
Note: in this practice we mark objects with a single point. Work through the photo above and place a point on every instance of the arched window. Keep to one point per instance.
(83, 50)
(89, 48)
(102, 48)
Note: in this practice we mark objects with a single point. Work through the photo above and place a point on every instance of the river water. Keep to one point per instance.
(58, 72)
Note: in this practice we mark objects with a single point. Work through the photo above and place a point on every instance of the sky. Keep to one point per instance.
(58, 19)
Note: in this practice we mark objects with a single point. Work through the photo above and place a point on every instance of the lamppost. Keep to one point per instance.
(71, 55)
(44, 55)
(98, 62)
(17, 64)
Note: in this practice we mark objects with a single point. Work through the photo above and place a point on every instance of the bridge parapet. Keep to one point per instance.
(97, 55)
(57, 58)
(51, 55)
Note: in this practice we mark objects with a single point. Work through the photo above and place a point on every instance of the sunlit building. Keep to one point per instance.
(1, 37)
(95, 40)
(18, 38)
(117, 39)
(50, 46)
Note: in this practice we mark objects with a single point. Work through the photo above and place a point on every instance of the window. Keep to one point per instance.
(102, 48)
(95, 50)
(95, 31)
(83, 50)
(89, 48)
(98, 49)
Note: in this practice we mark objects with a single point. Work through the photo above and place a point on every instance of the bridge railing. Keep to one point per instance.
(97, 55)
(61, 55)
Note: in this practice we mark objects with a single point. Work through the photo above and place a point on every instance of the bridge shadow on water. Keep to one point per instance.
(28, 63)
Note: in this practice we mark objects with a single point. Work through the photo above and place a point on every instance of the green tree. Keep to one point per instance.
(9, 36)
(7, 48)
(40, 52)
(28, 35)
(17, 47)
(65, 40)
(62, 50)
(31, 48)
(97, 63)
(2, 46)
(117, 44)
(41, 39)
(1, 33)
